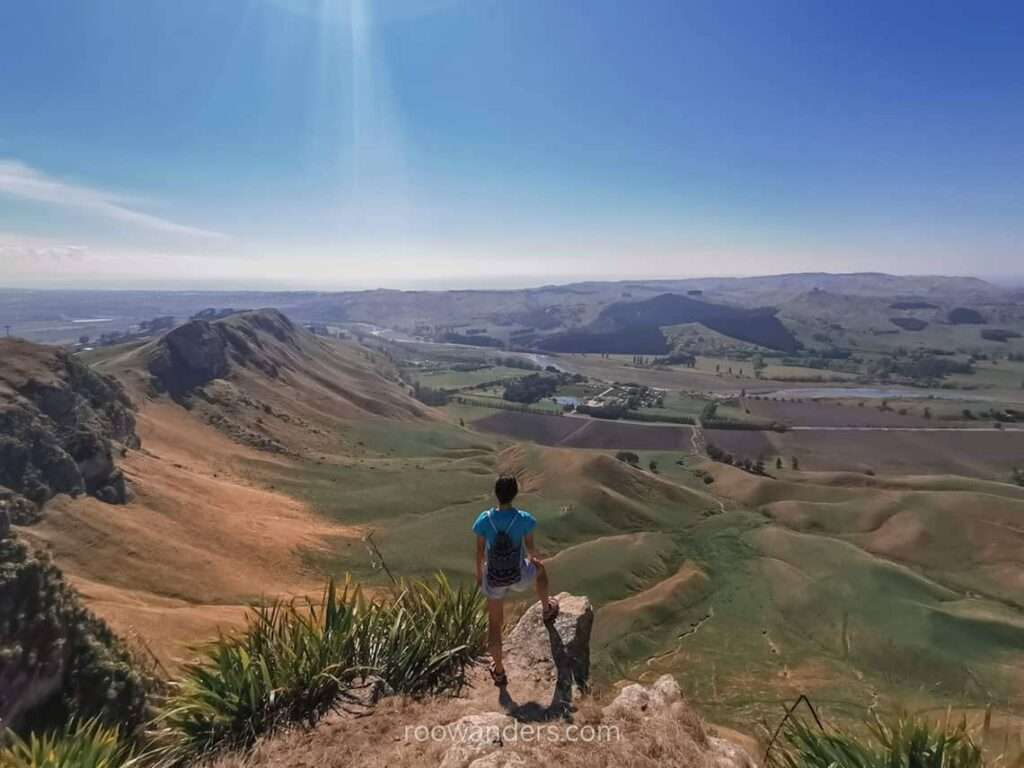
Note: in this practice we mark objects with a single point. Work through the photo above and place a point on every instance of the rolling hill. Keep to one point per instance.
(635, 326)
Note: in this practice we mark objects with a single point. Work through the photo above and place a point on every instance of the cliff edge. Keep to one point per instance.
(546, 716)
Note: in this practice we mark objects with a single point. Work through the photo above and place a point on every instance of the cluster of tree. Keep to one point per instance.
(753, 467)
(1005, 416)
(631, 458)
(649, 416)
(965, 316)
(677, 358)
(430, 395)
(998, 334)
(608, 411)
(926, 367)
(708, 411)
(531, 388)
(827, 360)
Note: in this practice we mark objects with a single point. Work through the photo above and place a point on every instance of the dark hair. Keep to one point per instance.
(505, 488)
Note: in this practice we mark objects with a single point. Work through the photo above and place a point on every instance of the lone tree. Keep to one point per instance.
(778, 463)
(653, 466)
(795, 463)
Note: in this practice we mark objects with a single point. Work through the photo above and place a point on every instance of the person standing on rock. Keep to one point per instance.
(506, 561)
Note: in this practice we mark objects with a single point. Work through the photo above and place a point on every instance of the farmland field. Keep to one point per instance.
(991, 454)
(453, 379)
(831, 414)
(586, 433)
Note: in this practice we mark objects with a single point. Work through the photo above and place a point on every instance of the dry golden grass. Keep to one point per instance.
(386, 738)
(196, 544)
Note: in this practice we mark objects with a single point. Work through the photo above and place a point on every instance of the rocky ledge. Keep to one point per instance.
(61, 426)
(555, 722)
(546, 716)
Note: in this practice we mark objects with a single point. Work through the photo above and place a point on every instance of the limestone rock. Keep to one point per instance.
(725, 754)
(478, 736)
(59, 421)
(637, 700)
(555, 656)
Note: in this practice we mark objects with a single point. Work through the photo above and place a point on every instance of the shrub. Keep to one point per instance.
(82, 744)
(628, 457)
(46, 627)
(295, 659)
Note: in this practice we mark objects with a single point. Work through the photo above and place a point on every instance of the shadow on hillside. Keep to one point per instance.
(560, 706)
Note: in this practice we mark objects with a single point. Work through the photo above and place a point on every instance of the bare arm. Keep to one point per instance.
(531, 550)
(480, 545)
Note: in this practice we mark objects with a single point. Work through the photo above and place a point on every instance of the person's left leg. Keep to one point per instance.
(541, 583)
(495, 619)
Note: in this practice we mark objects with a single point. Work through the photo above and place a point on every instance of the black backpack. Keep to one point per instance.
(504, 557)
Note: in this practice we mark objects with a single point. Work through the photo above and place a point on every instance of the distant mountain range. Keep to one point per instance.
(64, 316)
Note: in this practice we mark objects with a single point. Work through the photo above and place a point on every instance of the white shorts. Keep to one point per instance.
(526, 579)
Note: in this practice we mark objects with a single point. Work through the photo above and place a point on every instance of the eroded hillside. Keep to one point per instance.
(219, 405)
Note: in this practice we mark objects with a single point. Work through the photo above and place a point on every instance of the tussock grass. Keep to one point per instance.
(295, 659)
(905, 742)
(82, 744)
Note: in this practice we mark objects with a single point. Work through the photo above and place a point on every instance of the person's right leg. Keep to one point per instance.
(495, 619)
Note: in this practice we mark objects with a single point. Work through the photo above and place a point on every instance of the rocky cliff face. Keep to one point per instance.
(61, 426)
(200, 351)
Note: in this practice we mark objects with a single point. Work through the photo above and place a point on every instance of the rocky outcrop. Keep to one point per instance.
(61, 425)
(554, 656)
(642, 726)
(201, 351)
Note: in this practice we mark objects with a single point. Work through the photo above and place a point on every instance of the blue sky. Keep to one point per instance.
(351, 143)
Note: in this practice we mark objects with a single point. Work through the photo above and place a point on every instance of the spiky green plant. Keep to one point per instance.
(295, 659)
(82, 744)
(906, 742)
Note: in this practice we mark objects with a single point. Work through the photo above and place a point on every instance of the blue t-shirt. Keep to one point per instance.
(514, 521)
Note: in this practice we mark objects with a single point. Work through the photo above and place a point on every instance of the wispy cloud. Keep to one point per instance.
(21, 181)
(42, 254)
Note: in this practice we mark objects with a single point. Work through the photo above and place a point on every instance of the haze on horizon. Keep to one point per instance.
(427, 143)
